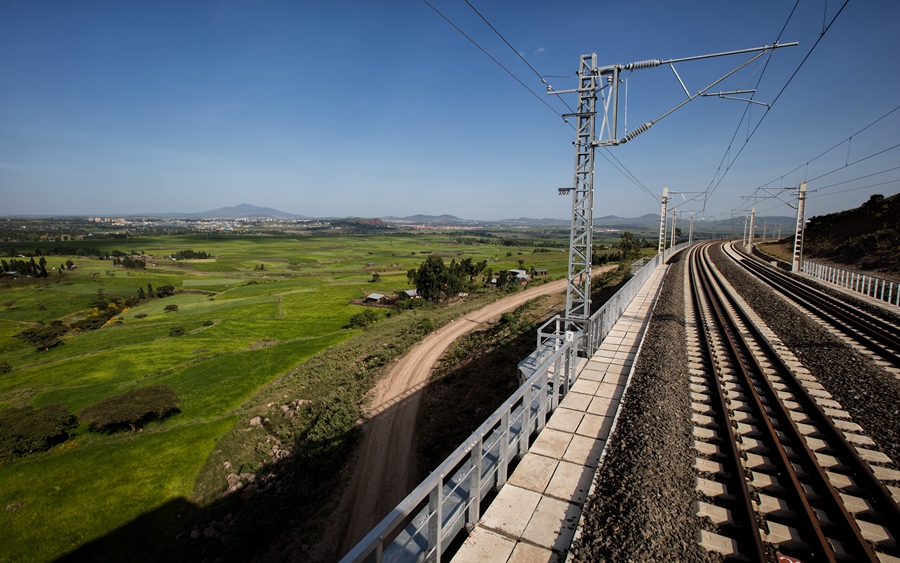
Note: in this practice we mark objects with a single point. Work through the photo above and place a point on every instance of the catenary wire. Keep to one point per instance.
(857, 188)
(621, 168)
(820, 155)
(772, 104)
(516, 78)
(747, 110)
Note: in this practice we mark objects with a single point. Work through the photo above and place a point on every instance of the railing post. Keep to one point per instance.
(475, 484)
(522, 445)
(554, 399)
(434, 526)
(503, 454)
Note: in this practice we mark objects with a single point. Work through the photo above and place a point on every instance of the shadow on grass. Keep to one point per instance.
(278, 515)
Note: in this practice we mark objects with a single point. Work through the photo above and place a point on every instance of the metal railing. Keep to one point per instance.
(421, 526)
(448, 500)
(875, 287)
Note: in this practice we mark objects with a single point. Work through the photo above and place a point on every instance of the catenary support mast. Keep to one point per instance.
(578, 292)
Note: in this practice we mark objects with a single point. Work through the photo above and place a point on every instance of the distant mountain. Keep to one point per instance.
(431, 220)
(644, 221)
(237, 212)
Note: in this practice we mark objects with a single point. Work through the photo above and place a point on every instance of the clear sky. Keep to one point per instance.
(352, 108)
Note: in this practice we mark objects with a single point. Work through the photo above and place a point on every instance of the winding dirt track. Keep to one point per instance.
(386, 468)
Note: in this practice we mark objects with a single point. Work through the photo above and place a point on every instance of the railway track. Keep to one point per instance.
(785, 474)
(870, 334)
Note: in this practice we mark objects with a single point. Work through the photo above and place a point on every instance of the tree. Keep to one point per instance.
(141, 293)
(363, 318)
(171, 308)
(25, 430)
(628, 246)
(130, 409)
(150, 290)
(431, 278)
(165, 291)
(376, 277)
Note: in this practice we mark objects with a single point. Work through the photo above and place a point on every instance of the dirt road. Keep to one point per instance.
(386, 468)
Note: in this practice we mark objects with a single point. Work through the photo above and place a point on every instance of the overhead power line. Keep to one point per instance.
(480, 48)
(772, 103)
(820, 155)
(621, 168)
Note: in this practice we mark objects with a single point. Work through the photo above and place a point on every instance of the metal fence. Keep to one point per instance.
(450, 499)
(873, 286)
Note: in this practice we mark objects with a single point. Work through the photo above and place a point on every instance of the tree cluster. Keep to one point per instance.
(190, 255)
(26, 268)
(130, 409)
(434, 279)
(130, 263)
(25, 430)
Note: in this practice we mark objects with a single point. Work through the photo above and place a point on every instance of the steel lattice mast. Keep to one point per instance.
(591, 80)
(578, 292)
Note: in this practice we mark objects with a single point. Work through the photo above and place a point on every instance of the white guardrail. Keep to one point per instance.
(450, 499)
(872, 286)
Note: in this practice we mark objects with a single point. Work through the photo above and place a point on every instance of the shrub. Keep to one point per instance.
(363, 319)
(208, 323)
(26, 430)
(5, 367)
(141, 316)
(170, 308)
(130, 409)
(43, 337)
(426, 325)
(91, 323)
(165, 291)
(176, 331)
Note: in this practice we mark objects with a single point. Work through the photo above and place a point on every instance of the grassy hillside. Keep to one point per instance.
(250, 318)
(865, 238)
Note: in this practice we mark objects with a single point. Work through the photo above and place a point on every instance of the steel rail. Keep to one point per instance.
(807, 523)
(880, 336)
(851, 536)
(746, 514)
(858, 468)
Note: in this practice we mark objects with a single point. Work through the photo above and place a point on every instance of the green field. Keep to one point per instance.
(263, 306)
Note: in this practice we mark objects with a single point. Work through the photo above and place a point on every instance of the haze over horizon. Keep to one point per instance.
(357, 109)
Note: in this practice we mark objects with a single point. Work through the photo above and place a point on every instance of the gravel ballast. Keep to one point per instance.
(870, 394)
(641, 508)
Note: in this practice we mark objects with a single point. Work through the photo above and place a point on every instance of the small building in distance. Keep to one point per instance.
(376, 298)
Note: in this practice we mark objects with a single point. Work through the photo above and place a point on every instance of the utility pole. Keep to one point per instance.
(749, 246)
(744, 240)
(674, 217)
(765, 226)
(662, 221)
(691, 232)
(797, 261)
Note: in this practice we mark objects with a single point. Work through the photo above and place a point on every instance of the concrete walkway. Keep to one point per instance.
(535, 515)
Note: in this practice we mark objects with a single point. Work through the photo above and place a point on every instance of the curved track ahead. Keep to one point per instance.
(880, 337)
(782, 477)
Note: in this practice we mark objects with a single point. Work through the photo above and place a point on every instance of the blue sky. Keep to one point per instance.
(350, 108)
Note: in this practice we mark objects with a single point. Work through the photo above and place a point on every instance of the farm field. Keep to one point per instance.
(258, 308)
